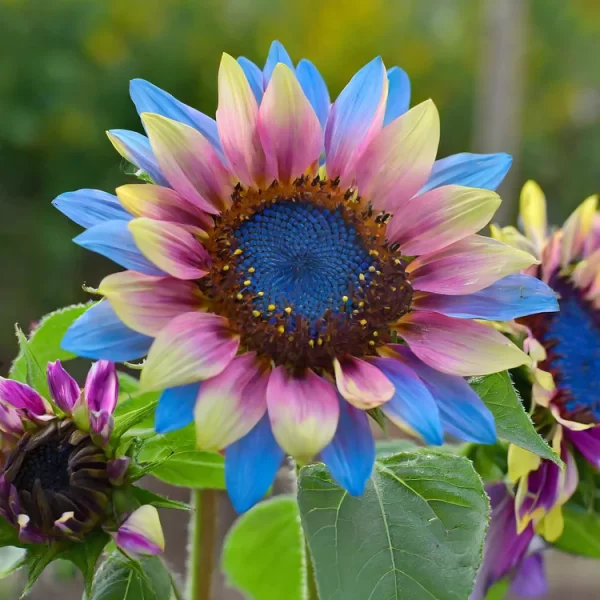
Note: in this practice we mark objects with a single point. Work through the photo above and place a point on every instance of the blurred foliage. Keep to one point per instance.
(65, 67)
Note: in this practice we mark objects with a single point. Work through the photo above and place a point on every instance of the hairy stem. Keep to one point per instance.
(202, 538)
(311, 584)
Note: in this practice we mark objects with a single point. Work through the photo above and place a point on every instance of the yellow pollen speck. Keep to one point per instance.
(393, 288)
(361, 277)
(288, 310)
(397, 261)
(256, 313)
(237, 252)
(271, 307)
(281, 329)
(363, 321)
(311, 343)
(320, 342)
(239, 296)
(372, 269)
(373, 253)
(375, 334)
(247, 282)
(361, 304)
(260, 294)
(226, 268)
(251, 270)
(290, 338)
(371, 343)
(344, 298)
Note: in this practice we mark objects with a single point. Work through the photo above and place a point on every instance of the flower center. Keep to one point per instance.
(59, 470)
(572, 341)
(304, 273)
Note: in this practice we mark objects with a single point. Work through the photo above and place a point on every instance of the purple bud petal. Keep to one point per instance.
(63, 388)
(102, 387)
(29, 533)
(10, 421)
(23, 398)
(141, 534)
(117, 469)
(102, 424)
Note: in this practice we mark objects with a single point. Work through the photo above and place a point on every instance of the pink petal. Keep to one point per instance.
(355, 118)
(361, 383)
(192, 347)
(441, 217)
(458, 346)
(304, 412)
(146, 303)
(63, 388)
(398, 161)
(467, 266)
(190, 163)
(237, 120)
(163, 204)
(171, 248)
(231, 404)
(23, 398)
(116, 469)
(10, 421)
(288, 126)
(102, 387)
(141, 534)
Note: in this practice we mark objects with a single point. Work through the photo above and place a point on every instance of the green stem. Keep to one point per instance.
(313, 593)
(202, 536)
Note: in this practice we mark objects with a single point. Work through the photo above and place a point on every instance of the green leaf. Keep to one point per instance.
(133, 411)
(512, 422)
(84, 555)
(417, 532)
(11, 559)
(180, 464)
(147, 497)
(128, 385)
(263, 554)
(387, 447)
(498, 591)
(8, 534)
(44, 343)
(581, 534)
(36, 560)
(35, 376)
(122, 579)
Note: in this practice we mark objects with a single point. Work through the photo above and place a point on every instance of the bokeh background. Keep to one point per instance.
(521, 76)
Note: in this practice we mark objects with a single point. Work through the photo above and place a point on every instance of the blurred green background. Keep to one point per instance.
(520, 76)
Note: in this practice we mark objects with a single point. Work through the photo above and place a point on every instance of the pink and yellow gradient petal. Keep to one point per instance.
(458, 346)
(146, 303)
(192, 347)
(141, 534)
(237, 121)
(304, 412)
(163, 204)
(232, 403)
(171, 248)
(190, 163)
(441, 217)
(398, 161)
(467, 266)
(288, 127)
(362, 383)
(576, 229)
(533, 213)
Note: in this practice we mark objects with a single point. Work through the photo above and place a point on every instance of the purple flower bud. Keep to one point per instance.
(117, 469)
(10, 421)
(102, 424)
(102, 387)
(141, 534)
(28, 532)
(26, 400)
(63, 388)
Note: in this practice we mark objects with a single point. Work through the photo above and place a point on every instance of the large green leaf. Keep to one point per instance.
(44, 342)
(133, 411)
(581, 534)
(85, 555)
(179, 463)
(8, 534)
(417, 532)
(122, 579)
(512, 422)
(263, 555)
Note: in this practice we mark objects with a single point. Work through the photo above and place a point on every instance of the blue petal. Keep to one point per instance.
(253, 75)
(351, 454)
(176, 408)
(398, 99)
(90, 207)
(412, 402)
(100, 334)
(277, 54)
(463, 413)
(472, 170)
(149, 98)
(251, 464)
(315, 89)
(114, 240)
(509, 298)
(136, 149)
